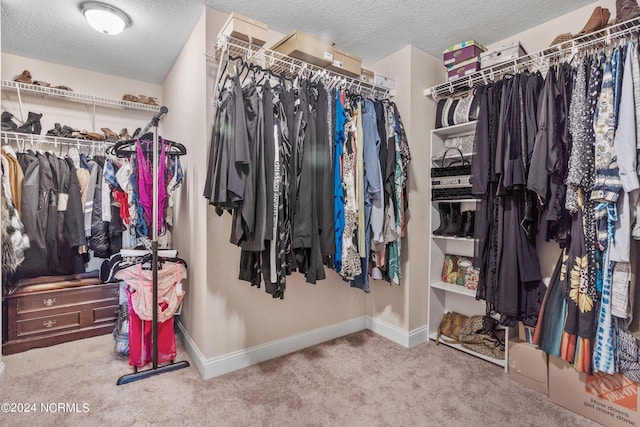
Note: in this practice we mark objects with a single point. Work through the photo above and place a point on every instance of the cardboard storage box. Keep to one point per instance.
(464, 69)
(462, 52)
(345, 63)
(306, 47)
(525, 333)
(367, 76)
(528, 366)
(502, 54)
(247, 29)
(611, 400)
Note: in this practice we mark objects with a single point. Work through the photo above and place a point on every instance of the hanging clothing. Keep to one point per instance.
(141, 339)
(141, 283)
(146, 181)
(318, 183)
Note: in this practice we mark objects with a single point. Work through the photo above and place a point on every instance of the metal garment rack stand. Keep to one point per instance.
(290, 67)
(172, 366)
(540, 60)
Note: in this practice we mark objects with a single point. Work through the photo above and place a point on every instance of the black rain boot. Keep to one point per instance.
(455, 221)
(32, 125)
(464, 219)
(469, 226)
(37, 126)
(444, 209)
(56, 131)
(7, 123)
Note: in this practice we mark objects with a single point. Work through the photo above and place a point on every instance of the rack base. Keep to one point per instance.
(140, 375)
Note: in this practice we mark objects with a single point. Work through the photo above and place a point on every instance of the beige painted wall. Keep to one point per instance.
(184, 91)
(426, 71)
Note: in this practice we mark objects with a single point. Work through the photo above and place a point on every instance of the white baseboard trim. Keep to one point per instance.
(418, 336)
(389, 331)
(211, 368)
(3, 372)
(250, 356)
(397, 334)
(190, 346)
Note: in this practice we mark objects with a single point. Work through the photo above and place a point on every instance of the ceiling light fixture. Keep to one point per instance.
(105, 18)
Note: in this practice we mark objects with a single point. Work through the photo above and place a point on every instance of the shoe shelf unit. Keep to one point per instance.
(23, 95)
(445, 297)
(100, 101)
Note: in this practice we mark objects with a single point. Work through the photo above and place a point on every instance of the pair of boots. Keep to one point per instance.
(453, 222)
(32, 125)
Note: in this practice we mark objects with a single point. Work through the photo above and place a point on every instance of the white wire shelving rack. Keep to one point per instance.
(540, 60)
(25, 141)
(101, 101)
(290, 67)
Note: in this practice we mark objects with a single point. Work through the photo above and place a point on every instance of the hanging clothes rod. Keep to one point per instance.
(540, 60)
(290, 67)
(22, 139)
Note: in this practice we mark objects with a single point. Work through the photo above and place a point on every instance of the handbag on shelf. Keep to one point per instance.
(450, 326)
(453, 179)
(464, 143)
(454, 269)
(480, 334)
(455, 111)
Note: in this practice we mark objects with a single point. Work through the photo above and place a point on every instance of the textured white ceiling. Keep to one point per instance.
(55, 31)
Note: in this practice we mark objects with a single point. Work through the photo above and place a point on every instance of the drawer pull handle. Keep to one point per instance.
(48, 323)
(48, 302)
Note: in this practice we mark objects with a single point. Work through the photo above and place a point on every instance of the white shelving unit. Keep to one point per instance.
(21, 95)
(82, 98)
(445, 297)
(462, 239)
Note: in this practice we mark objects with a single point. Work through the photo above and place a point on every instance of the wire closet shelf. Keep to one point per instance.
(540, 60)
(81, 98)
(27, 140)
(291, 67)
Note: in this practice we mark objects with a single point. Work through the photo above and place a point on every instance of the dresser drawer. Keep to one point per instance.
(64, 297)
(105, 314)
(47, 324)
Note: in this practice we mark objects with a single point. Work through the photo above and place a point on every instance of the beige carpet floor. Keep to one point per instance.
(358, 380)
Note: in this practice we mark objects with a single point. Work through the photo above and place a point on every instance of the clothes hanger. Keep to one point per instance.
(226, 64)
(124, 149)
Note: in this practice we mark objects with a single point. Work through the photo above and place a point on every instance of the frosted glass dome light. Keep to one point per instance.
(104, 18)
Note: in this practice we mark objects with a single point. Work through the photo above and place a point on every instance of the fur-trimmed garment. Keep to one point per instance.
(14, 239)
